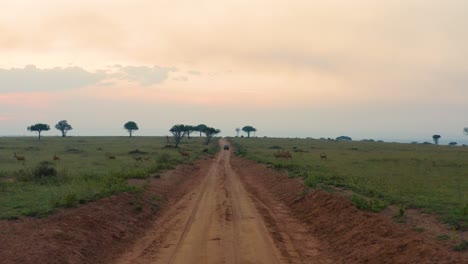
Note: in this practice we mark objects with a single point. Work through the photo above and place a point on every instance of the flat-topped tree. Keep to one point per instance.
(436, 139)
(465, 130)
(39, 128)
(200, 128)
(210, 133)
(131, 126)
(178, 131)
(189, 130)
(237, 131)
(64, 127)
(248, 130)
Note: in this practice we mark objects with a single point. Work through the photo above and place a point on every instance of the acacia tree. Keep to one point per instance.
(248, 130)
(64, 127)
(131, 126)
(179, 132)
(189, 130)
(210, 133)
(465, 130)
(200, 128)
(39, 128)
(436, 139)
(237, 131)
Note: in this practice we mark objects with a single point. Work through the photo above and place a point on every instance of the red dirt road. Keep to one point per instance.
(218, 222)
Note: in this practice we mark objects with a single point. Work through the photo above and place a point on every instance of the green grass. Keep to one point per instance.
(431, 177)
(83, 171)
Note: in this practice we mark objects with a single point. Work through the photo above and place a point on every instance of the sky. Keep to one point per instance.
(388, 69)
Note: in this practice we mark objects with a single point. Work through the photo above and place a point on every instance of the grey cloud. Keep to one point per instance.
(30, 78)
(145, 75)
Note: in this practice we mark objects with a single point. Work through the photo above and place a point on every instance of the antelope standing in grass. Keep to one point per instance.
(138, 158)
(19, 158)
(109, 156)
(56, 157)
(283, 154)
(323, 156)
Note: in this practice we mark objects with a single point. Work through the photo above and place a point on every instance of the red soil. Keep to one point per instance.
(356, 236)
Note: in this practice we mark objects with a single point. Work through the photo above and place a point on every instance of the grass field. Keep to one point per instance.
(83, 173)
(434, 178)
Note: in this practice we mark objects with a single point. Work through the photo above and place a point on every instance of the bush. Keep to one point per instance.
(71, 200)
(44, 169)
(163, 158)
(374, 205)
(462, 246)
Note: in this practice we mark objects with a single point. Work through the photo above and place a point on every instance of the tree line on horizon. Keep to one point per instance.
(179, 131)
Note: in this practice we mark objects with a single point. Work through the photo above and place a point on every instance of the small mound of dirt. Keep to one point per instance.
(73, 150)
(32, 149)
(137, 151)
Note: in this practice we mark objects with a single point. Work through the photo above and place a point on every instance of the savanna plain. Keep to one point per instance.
(263, 200)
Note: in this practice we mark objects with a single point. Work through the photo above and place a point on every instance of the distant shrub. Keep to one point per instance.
(73, 150)
(344, 138)
(137, 151)
(427, 143)
(275, 147)
(163, 158)
(45, 169)
(453, 143)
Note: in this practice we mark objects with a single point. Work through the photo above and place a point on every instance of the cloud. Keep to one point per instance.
(145, 75)
(33, 79)
(30, 78)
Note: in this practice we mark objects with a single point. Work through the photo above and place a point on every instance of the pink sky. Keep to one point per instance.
(380, 69)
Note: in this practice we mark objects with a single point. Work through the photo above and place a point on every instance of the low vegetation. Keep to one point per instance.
(430, 177)
(65, 172)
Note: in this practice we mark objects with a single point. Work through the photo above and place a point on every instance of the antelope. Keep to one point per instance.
(138, 158)
(109, 156)
(323, 156)
(185, 154)
(283, 154)
(147, 158)
(56, 157)
(287, 155)
(19, 158)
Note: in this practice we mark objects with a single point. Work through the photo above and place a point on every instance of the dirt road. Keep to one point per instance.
(218, 222)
